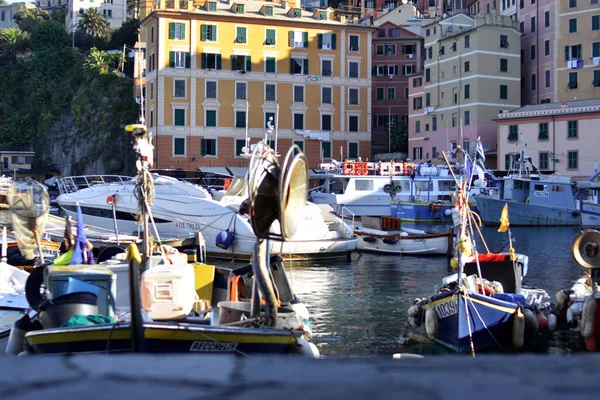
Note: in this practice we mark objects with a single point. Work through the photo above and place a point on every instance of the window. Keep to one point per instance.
(543, 134)
(543, 160)
(353, 123)
(239, 146)
(298, 94)
(596, 49)
(298, 121)
(210, 118)
(270, 92)
(209, 33)
(504, 65)
(325, 122)
(353, 43)
(572, 25)
(522, 26)
(327, 41)
(239, 8)
(381, 33)
(547, 48)
(326, 95)
(467, 91)
(572, 130)
(298, 39)
(407, 70)
(532, 51)
(240, 119)
(573, 52)
(270, 65)
(211, 89)
(596, 81)
(326, 149)
(427, 99)
(533, 82)
(572, 159)
(409, 49)
(504, 41)
(269, 116)
(353, 150)
(532, 24)
(394, 32)
(240, 91)
(208, 147)
(573, 84)
(467, 66)
(179, 59)
(503, 92)
(467, 119)
(211, 61)
(547, 19)
(179, 117)
(241, 63)
(151, 120)
(467, 41)
(3, 16)
(151, 91)
(391, 93)
(297, 12)
(179, 146)
(353, 69)
(417, 103)
(212, 6)
(513, 133)
(427, 75)
(269, 11)
(353, 96)
(427, 32)
(300, 144)
(547, 73)
(572, 3)
(595, 22)
(417, 126)
(152, 35)
(522, 56)
(390, 49)
(298, 66)
(380, 93)
(326, 68)
(270, 37)
(176, 30)
(507, 161)
(179, 88)
(434, 124)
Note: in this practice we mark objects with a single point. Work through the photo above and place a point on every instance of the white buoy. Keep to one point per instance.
(588, 316)
(398, 356)
(518, 329)
(431, 323)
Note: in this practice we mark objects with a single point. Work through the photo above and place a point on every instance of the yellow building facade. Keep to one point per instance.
(218, 72)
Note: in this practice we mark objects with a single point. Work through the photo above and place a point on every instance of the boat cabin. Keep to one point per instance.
(550, 191)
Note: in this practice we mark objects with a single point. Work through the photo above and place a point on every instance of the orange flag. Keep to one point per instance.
(504, 219)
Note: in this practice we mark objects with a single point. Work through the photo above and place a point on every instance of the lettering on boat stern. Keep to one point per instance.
(541, 193)
(192, 226)
(447, 308)
(212, 346)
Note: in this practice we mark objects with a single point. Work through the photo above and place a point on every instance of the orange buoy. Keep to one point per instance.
(110, 199)
(227, 184)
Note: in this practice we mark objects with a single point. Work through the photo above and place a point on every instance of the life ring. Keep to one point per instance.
(362, 169)
(409, 168)
(435, 207)
(110, 199)
(347, 168)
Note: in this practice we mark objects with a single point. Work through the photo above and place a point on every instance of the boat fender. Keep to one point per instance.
(531, 324)
(306, 348)
(542, 321)
(16, 339)
(369, 239)
(33, 287)
(518, 333)
(562, 298)
(24, 354)
(588, 315)
(388, 188)
(390, 240)
(552, 321)
(224, 239)
(413, 310)
(431, 323)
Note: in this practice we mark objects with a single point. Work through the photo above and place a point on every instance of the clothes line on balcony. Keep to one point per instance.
(319, 135)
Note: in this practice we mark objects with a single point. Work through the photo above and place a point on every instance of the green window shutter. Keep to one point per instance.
(271, 64)
(233, 62)
(239, 145)
(203, 61)
(596, 49)
(320, 40)
(305, 68)
(241, 34)
(171, 30)
(579, 52)
(270, 36)
(204, 32)
(219, 61)
(326, 146)
(291, 38)
(292, 62)
(305, 39)
(248, 64)
(203, 147)
(333, 40)
(353, 150)
(172, 59)
(567, 51)
(188, 60)
(182, 31)
(211, 118)
(179, 118)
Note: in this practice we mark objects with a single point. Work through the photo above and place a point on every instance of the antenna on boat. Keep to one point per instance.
(276, 127)
(142, 119)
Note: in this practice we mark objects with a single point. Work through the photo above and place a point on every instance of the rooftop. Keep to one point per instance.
(537, 110)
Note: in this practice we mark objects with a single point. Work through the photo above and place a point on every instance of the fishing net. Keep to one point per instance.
(29, 204)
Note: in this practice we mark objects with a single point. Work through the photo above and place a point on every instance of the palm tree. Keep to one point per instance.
(94, 23)
(98, 61)
(12, 42)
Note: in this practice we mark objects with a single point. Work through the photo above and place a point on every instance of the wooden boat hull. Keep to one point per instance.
(167, 337)
(388, 242)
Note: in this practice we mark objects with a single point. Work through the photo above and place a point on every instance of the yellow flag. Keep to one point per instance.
(504, 219)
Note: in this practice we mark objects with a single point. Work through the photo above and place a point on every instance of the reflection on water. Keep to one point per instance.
(360, 308)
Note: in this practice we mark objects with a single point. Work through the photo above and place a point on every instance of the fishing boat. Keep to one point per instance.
(385, 235)
(589, 201)
(417, 192)
(535, 199)
(174, 306)
(579, 305)
(485, 305)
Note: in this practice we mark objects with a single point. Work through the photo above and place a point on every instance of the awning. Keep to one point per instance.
(214, 170)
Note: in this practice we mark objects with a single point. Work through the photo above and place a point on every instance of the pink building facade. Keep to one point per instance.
(396, 55)
(537, 21)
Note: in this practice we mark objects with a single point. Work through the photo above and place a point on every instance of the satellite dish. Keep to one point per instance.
(263, 189)
(293, 189)
(585, 247)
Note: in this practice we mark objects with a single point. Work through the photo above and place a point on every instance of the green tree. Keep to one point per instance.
(94, 23)
(12, 43)
(28, 18)
(3, 3)
(400, 137)
(97, 62)
(125, 35)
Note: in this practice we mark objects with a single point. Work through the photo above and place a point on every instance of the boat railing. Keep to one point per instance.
(344, 210)
(71, 184)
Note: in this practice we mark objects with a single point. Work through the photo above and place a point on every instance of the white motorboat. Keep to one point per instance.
(180, 209)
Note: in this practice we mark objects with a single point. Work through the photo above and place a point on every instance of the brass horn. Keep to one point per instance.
(293, 190)
(585, 247)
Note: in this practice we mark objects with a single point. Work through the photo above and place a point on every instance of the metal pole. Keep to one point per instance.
(277, 127)
(390, 130)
